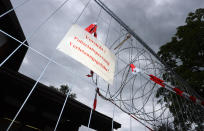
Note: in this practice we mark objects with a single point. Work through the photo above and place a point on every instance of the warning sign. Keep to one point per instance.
(83, 47)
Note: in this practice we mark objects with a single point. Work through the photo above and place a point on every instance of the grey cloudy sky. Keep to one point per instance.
(155, 21)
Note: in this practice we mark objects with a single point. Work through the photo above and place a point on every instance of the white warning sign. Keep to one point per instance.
(85, 48)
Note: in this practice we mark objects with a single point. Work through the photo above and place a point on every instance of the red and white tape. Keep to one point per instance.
(164, 84)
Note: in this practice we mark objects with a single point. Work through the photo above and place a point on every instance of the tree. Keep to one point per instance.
(185, 55)
(64, 89)
(163, 127)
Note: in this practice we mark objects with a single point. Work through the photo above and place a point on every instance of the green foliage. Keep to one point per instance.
(64, 89)
(163, 127)
(185, 52)
(185, 55)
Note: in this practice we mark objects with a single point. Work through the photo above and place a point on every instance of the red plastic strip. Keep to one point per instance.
(157, 80)
(192, 98)
(94, 105)
(178, 91)
(92, 29)
(132, 67)
(95, 100)
(91, 74)
(202, 103)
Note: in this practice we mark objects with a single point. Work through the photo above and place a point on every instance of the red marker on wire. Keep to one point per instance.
(162, 83)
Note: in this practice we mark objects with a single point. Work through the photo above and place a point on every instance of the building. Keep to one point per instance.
(43, 107)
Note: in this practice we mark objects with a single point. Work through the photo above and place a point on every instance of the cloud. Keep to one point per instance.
(155, 21)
